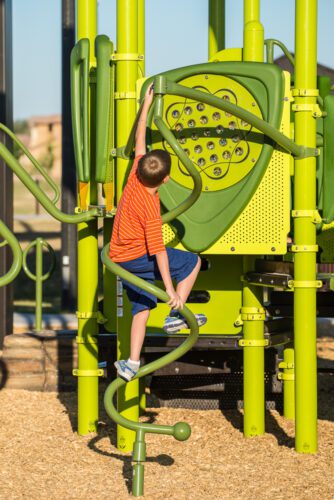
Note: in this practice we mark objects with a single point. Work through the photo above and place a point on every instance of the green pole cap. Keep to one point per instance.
(181, 431)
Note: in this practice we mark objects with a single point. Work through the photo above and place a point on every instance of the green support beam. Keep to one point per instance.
(305, 231)
(88, 261)
(216, 39)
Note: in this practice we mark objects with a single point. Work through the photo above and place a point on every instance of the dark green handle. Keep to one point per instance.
(15, 268)
(79, 106)
(104, 105)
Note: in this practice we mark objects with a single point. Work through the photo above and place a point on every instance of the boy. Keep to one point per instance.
(137, 245)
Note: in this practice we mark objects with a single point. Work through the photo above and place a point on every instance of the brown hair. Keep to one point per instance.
(154, 167)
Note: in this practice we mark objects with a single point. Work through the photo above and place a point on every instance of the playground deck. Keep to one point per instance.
(42, 457)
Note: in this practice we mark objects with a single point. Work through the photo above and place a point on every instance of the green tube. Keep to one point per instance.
(15, 268)
(173, 88)
(44, 200)
(88, 254)
(253, 32)
(180, 431)
(305, 233)
(216, 39)
(126, 78)
(288, 382)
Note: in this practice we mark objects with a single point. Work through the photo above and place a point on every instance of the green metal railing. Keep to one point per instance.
(39, 277)
(9, 239)
(37, 192)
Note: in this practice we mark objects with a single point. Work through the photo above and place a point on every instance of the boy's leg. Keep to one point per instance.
(138, 330)
(184, 288)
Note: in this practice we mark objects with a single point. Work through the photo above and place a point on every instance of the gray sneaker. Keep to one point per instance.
(125, 371)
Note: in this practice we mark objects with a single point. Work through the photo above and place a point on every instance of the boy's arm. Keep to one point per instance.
(140, 148)
(163, 265)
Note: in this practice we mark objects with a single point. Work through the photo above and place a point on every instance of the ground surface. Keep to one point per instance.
(42, 458)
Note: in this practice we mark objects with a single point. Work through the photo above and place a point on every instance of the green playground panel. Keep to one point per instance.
(221, 284)
(230, 154)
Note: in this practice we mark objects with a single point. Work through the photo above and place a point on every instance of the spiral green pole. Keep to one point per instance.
(181, 430)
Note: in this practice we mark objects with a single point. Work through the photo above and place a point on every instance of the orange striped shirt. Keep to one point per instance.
(137, 227)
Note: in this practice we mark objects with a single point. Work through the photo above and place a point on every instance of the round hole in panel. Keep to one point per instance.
(236, 138)
(217, 171)
(216, 116)
(200, 106)
(222, 141)
(188, 110)
(244, 124)
(239, 151)
(191, 123)
(182, 140)
(213, 158)
(210, 145)
(178, 127)
(175, 113)
(198, 149)
(187, 151)
(220, 129)
(203, 120)
(226, 97)
(201, 162)
(194, 137)
(226, 155)
(231, 125)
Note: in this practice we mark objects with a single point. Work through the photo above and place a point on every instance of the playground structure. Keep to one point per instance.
(246, 138)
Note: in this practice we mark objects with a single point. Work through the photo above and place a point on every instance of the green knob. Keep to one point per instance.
(181, 431)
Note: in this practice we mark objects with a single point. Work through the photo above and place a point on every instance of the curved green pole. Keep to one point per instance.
(181, 430)
(270, 43)
(15, 268)
(164, 86)
(33, 160)
(44, 200)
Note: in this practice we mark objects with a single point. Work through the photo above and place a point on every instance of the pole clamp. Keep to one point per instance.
(305, 92)
(101, 319)
(312, 214)
(87, 339)
(253, 342)
(87, 373)
(252, 314)
(286, 376)
(127, 57)
(314, 108)
(125, 95)
(286, 366)
(304, 284)
(304, 248)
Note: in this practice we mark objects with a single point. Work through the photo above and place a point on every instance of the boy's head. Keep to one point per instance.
(154, 168)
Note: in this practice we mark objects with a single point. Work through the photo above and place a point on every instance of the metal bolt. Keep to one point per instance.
(273, 249)
(206, 188)
(232, 249)
(206, 77)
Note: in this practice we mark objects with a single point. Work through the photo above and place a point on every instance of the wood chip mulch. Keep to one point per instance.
(41, 456)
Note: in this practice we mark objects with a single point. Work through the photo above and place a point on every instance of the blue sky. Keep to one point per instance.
(176, 35)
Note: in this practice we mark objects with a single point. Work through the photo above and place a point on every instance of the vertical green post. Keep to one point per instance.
(141, 37)
(141, 74)
(88, 264)
(253, 329)
(305, 231)
(39, 284)
(289, 382)
(253, 32)
(126, 77)
(216, 26)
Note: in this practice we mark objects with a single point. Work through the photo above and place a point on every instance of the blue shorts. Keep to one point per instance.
(181, 264)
